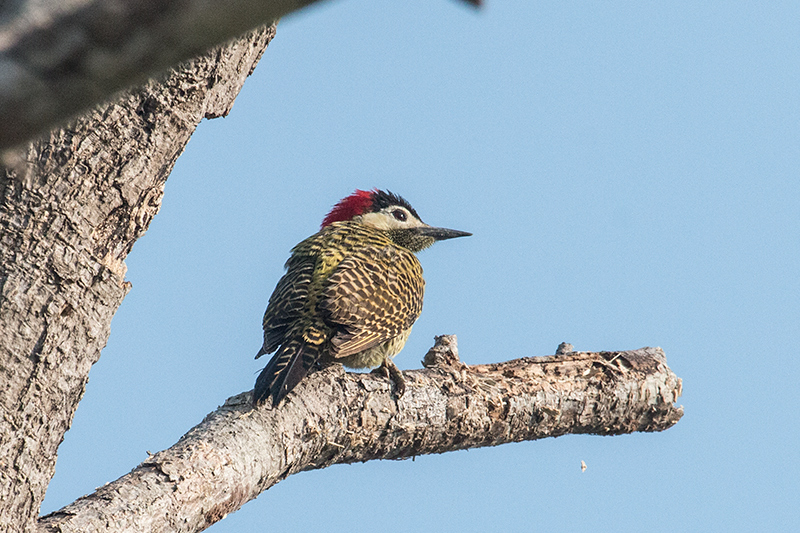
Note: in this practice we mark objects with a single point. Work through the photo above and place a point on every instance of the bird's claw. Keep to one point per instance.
(389, 370)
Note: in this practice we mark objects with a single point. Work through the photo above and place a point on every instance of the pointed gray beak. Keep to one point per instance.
(441, 234)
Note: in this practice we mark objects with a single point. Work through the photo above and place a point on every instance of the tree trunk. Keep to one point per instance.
(71, 207)
(335, 417)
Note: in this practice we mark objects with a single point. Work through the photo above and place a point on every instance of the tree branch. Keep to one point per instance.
(335, 417)
(59, 58)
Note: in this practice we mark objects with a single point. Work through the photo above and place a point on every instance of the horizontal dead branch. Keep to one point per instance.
(337, 417)
(59, 58)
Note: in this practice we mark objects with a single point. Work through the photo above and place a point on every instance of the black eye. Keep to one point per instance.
(400, 215)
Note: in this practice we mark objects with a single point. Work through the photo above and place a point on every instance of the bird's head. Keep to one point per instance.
(389, 212)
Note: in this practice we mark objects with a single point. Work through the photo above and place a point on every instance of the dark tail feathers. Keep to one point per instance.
(284, 371)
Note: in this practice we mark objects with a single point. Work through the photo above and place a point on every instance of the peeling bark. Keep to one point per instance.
(71, 207)
(335, 417)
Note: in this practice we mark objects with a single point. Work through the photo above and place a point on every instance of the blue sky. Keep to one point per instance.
(630, 174)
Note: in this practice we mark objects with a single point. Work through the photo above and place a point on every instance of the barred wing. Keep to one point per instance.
(371, 298)
(286, 303)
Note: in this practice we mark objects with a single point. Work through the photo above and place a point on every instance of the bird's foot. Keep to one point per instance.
(389, 370)
(381, 371)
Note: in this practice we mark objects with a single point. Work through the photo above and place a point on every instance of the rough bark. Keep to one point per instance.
(58, 58)
(333, 417)
(71, 207)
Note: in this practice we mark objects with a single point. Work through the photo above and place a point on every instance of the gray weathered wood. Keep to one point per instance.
(71, 207)
(60, 57)
(336, 417)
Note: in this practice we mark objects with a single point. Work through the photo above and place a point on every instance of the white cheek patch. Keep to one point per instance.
(378, 220)
(385, 220)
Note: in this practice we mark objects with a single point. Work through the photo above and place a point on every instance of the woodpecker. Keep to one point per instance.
(350, 294)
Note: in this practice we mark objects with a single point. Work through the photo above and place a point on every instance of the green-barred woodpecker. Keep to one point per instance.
(350, 294)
